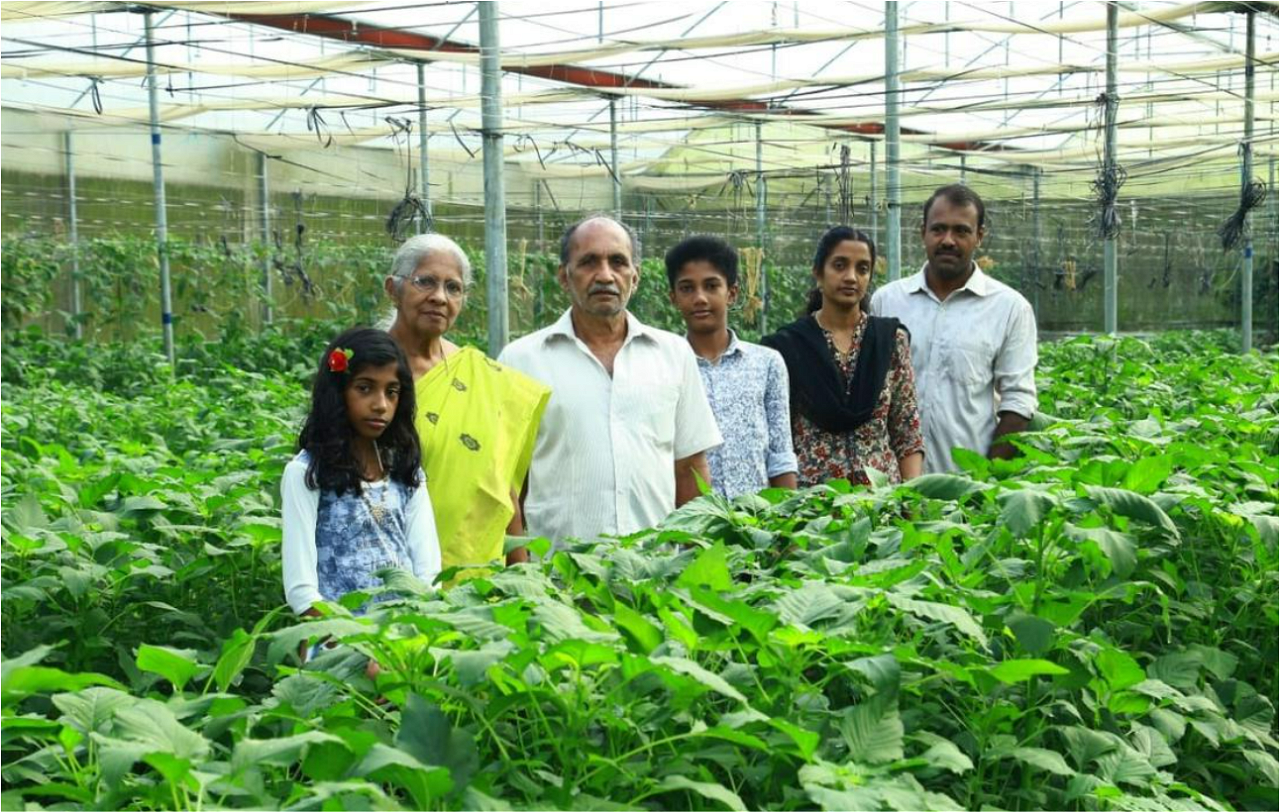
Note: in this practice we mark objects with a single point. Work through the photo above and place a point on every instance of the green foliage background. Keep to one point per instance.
(1091, 626)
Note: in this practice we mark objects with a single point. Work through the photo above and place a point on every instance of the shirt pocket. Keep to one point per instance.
(968, 361)
(650, 411)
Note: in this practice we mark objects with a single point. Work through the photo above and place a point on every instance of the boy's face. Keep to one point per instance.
(703, 297)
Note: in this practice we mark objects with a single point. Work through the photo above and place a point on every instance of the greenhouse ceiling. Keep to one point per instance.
(1003, 85)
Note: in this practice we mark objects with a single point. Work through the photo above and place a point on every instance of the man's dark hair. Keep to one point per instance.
(705, 248)
(567, 237)
(957, 194)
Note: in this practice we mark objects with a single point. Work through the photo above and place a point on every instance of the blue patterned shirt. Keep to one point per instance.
(750, 396)
(334, 544)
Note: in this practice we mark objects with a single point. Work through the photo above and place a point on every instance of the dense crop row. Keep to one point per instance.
(1092, 626)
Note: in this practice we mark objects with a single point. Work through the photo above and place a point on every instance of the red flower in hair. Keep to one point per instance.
(338, 360)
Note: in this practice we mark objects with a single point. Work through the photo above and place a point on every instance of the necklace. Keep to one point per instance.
(377, 511)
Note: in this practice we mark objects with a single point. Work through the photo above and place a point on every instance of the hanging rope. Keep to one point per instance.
(316, 124)
(845, 181)
(94, 94)
(1106, 185)
(410, 210)
(1253, 195)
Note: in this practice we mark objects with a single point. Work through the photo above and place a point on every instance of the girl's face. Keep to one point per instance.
(431, 297)
(372, 397)
(846, 275)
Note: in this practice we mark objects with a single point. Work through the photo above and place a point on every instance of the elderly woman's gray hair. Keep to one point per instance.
(416, 249)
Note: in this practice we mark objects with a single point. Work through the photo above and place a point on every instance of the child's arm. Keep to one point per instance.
(424, 542)
(299, 509)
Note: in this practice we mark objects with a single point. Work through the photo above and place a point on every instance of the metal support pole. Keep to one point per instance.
(1036, 235)
(1246, 177)
(963, 168)
(162, 220)
(73, 233)
(495, 214)
(875, 201)
(613, 159)
(264, 198)
(1109, 254)
(762, 192)
(424, 169)
(893, 239)
(826, 185)
(537, 206)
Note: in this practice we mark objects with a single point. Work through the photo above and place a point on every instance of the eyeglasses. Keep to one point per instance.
(429, 285)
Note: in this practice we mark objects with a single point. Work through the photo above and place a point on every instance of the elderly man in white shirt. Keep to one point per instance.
(973, 338)
(627, 428)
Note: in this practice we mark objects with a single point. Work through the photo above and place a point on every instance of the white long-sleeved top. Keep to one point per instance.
(411, 532)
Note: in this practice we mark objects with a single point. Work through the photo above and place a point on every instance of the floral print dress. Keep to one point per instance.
(892, 432)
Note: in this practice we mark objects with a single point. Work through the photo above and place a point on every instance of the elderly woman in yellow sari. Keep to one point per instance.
(477, 419)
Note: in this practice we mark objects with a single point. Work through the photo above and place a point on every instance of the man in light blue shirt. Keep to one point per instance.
(746, 384)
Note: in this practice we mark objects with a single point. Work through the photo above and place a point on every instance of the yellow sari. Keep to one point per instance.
(477, 421)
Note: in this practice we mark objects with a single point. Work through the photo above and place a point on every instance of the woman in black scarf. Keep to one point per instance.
(853, 393)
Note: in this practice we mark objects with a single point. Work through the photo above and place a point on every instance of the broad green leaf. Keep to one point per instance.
(945, 755)
(948, 487)
(1126, 766)
(1047, 760)
(560, 622)
(1022, 510)
(175, 770)
(426, 784)
(689, 668)
(941, 612)
(426, 734)
(1034, 634)
(153, 725)
(1181, 669)
(1014, 671)
(882, 671)
(286, 641)
(1151, 744)
(872, 731)
(33, 679)
(1265, 764)
(709, 569)
(1085, 745)
(812, 602)
(1147, 474)
(1119, 669)
(712, 792)
(178, 666)
(806, 740)
(1119, 548)
(237, 651)
(1135, 506)
(738, 614)
(1220, 663)
(637, 628)
(472, 666)
(279, 752)
(92, 708)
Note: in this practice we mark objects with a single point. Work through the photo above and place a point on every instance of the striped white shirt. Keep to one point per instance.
(604, 460)
(974, 355)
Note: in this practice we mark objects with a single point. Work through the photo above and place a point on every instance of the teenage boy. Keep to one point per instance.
(746, 384)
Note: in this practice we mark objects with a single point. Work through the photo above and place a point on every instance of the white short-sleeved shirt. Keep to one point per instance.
(604, 460)
(974, 355)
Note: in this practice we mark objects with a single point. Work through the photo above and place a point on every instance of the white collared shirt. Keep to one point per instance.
(604, 460)
(974, 354)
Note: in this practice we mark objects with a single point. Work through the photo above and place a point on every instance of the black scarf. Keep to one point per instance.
(818, 390)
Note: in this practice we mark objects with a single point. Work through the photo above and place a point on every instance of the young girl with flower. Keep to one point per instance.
(355, 500)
